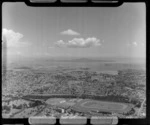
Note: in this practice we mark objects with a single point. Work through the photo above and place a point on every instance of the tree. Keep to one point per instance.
(6, 108)
(73, 91)
(141, 107)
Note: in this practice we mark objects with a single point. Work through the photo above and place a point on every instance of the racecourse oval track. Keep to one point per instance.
(85, 105)
(102, 106)
(105, 105)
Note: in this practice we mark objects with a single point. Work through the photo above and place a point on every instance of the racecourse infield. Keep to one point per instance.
(88, 105)
(102, 106)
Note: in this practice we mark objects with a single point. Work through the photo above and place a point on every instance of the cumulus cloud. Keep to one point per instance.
(12, 39)
(135, 43)
(79, 43)
(69, 32)
(60, 43)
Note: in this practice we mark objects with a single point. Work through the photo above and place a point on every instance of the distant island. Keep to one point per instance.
(81, 60)
(91, 60)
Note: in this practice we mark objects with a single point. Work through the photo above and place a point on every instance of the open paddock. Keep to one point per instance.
(61, 102)
(102, 106)
(88, 105)
(97, 104)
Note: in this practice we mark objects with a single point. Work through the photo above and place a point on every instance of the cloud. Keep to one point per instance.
(60, 43)
(12, 39)
(79, 43)
(69, 32)
(135, 43)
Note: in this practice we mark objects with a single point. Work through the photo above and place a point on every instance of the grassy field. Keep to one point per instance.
(102, 106)
(87, 105)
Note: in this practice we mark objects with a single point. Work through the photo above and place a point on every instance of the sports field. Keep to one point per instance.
(102, 106)
(87, 105)
(61, 102)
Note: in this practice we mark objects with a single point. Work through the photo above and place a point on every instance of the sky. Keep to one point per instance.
(74, 31)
